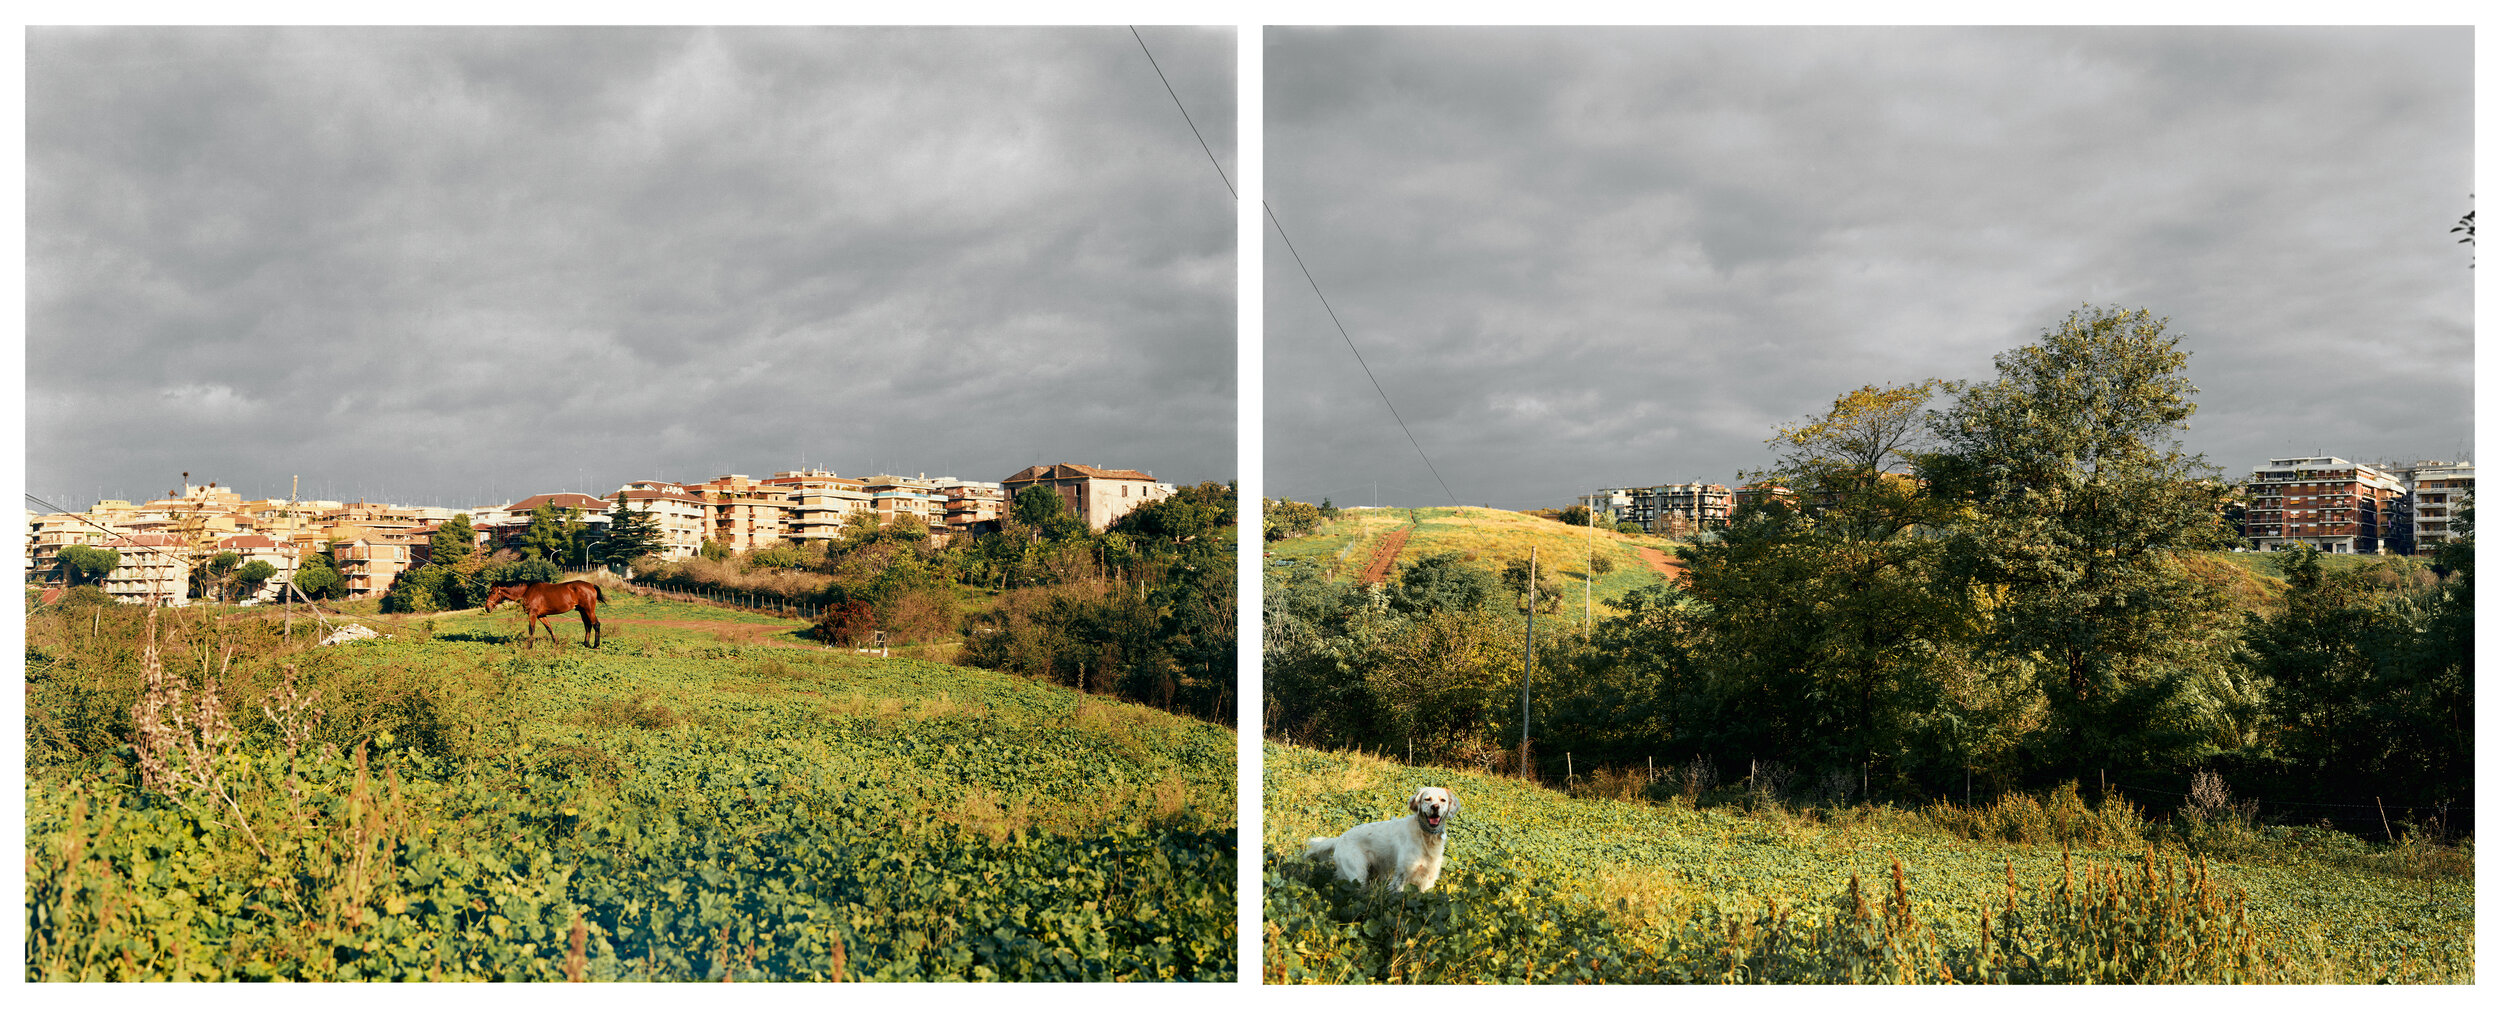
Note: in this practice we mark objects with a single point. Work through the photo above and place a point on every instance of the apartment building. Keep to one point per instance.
(369, 560)
(155, 569)
(1670, 510)
(2327, 502)
(1094, 494)
(682, 516)
(972, 506)
(894, 496)
(745, 514)
(501, 526)
(250, 547)
(2435, 491)
(819, 503)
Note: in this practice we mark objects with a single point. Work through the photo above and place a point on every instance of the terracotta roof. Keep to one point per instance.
(560, 499)
(660, 496)
(248, 542)
(1063, 471)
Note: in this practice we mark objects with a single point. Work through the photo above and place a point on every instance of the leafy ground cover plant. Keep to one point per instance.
(712, 799)
(1547, 887)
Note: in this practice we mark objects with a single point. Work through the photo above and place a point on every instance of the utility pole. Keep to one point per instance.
(1527, 665)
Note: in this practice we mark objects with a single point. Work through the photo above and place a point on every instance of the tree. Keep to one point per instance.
(1035, 505)
(81, 565)
(1548, 594)
(1441, 581)
(317, 576)
(209, 578)
(632, 534)
(1286, 518)
(2075, 501)
(554, 534)
(454, 540)
(254, 574)
(1576, 515)
(422, 590)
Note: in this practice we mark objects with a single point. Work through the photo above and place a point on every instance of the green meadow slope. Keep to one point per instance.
(1340, 549)
(708, 796)
(1543, 886)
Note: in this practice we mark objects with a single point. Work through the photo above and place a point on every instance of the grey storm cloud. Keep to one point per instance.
(1580, 258)
(459, 266)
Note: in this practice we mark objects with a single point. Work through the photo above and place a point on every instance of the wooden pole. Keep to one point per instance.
(1527, 665)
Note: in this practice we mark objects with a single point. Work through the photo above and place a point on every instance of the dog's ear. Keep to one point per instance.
(1416, 802)
(1453, 801)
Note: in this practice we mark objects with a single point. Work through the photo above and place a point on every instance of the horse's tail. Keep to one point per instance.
(603, 594)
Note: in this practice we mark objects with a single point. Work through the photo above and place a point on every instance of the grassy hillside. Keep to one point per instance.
(708, 795)
(1541, 886)
(1340, 549)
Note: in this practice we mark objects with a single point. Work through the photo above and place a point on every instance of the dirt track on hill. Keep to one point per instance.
(1665, 563)
(1385, 556)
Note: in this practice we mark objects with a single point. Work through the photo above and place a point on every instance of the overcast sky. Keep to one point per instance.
(452, 266)
(1581, 258)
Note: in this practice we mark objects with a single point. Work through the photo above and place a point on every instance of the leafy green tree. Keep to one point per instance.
(714, 550)
(81, 565)
(1548, 595)
(1286, 518)
(1190, 513)
(317, 576)
(455, 540)
(2074, 502)
(524, 569)
(1631, 529)
(254, 574)
(1036, 505)
(210, 578)
(422, 590)
(632, 534)
(1442, 581)
(2314, 658)
(1576, 515)
(1328, 510)
(556, 534)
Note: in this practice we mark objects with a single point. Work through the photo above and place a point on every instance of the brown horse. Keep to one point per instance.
(543, 600)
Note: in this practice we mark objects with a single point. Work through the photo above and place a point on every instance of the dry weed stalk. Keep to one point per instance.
(182, 734)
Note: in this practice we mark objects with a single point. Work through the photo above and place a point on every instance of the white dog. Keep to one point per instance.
(1395, 852)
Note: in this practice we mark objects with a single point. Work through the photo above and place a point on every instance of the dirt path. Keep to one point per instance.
(1385, 555)
(1665, 563)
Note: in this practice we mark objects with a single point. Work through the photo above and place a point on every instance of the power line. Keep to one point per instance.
(1358, 354)
(1176, 103)
(1297, 262)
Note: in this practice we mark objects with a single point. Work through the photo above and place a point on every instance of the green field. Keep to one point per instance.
(707, 796)
(1341, 548)
(1540, 886)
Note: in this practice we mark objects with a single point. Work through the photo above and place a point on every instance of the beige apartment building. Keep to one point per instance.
(1094, 494)
(972, 506)
(745, 514)
(682, 516)
(818, 503)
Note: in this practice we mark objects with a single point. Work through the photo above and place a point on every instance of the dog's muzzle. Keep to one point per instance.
(1434, 823)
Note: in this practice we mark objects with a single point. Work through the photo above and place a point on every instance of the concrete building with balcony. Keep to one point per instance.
(2327, 502)
(155, 569)
(744, 514)
(819, 503)
(683, 517)
(1669, 510)
(2435, 492)
(972, 506)
(894, 496)
(1095, 494)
